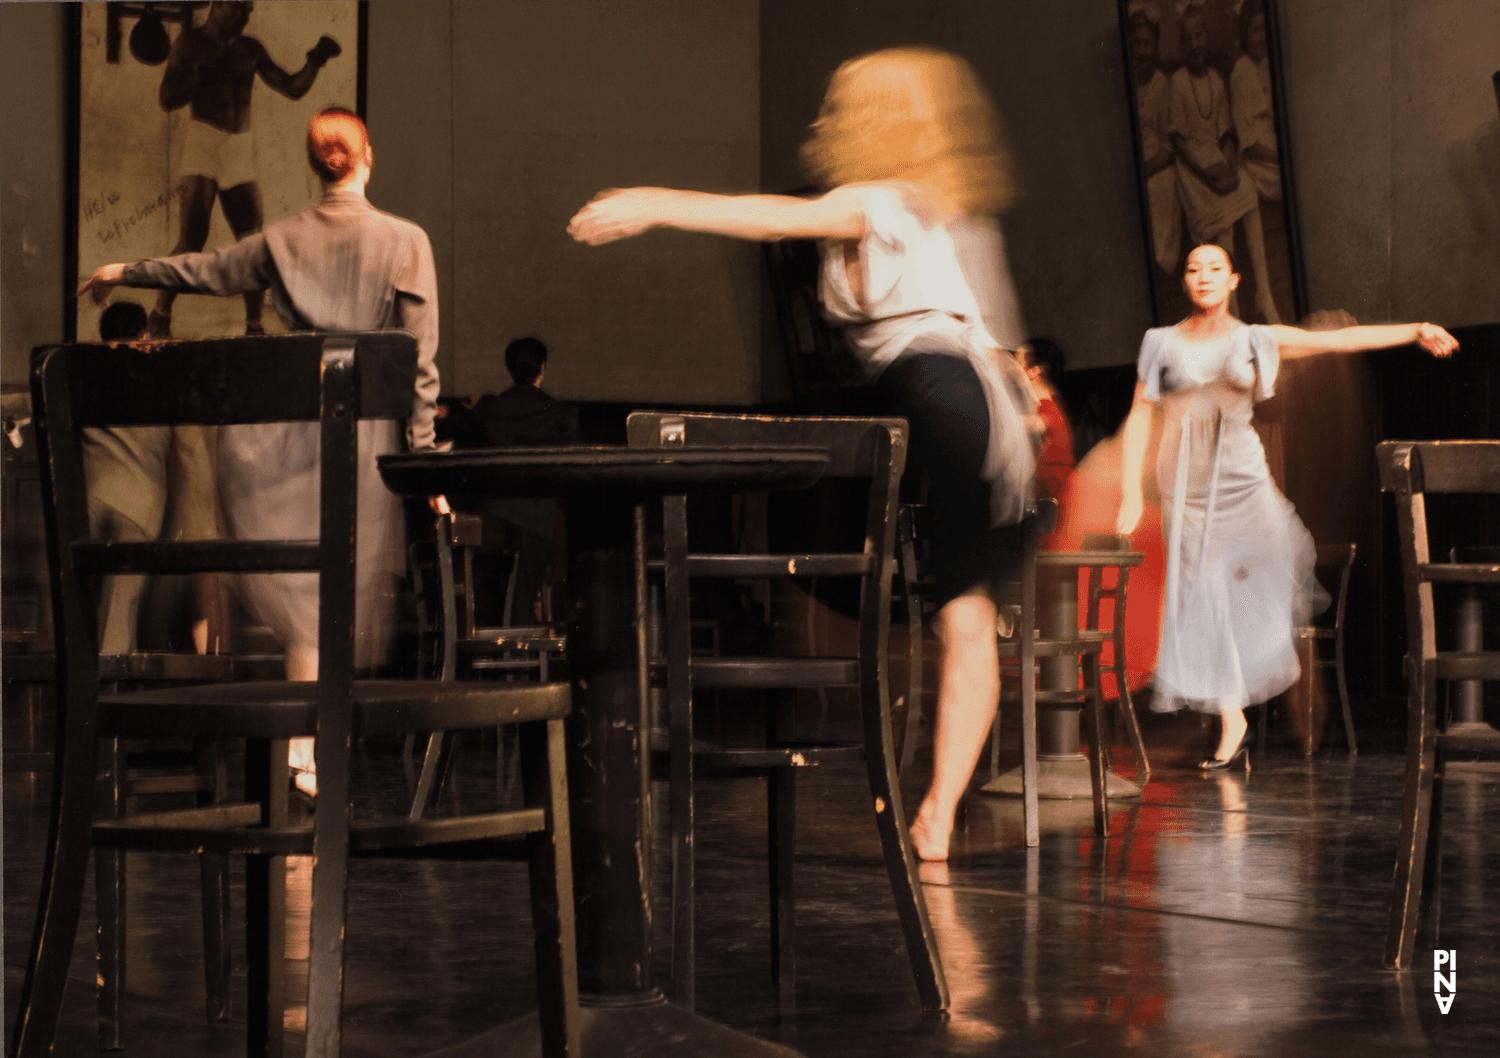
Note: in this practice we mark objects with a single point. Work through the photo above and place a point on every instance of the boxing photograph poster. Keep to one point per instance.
(1209, 126)
(192, 122)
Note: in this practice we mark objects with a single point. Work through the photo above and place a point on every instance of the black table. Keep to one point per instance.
(624, 1012)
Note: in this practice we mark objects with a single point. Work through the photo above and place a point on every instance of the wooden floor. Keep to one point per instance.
(1230, 915)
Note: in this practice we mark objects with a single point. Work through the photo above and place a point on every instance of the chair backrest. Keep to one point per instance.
(1339, 560)
(868, 448)
(1410, 470)
(333, 379)
(852, 443)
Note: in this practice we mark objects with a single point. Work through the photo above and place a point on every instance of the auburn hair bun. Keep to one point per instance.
(336, 143)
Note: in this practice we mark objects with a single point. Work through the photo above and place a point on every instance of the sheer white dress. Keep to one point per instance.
(1239, 560)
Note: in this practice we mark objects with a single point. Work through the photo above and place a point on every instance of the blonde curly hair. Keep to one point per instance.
(915, 114)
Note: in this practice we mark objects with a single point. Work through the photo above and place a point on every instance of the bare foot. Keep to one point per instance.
(927, 843)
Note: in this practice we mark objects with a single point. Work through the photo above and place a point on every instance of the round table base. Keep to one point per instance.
(652, 1030)
(1062, 778)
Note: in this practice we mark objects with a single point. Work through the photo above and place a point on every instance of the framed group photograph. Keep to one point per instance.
(191, 133)
(1211, 150)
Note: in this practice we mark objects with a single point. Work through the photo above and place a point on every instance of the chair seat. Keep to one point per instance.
(848, 564)
(1086, 642)
(281, 709)
(233, 828)
(728, 673)
(789, 756)
(530, 638)
(1473, 740)
(1467, 666)
(140, 665)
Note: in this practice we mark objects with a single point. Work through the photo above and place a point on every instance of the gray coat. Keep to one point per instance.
(341, 265)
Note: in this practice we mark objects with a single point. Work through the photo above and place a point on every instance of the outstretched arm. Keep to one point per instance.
(236, 269)
(296, 85)
(1294, 342)
(621, 214)
(1136, 433)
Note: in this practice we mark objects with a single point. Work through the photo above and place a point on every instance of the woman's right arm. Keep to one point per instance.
(622, 214)
(1136, 434)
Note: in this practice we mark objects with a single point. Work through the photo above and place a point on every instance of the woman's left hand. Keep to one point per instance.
(618, 214)
(1435, 340)
(99, 284)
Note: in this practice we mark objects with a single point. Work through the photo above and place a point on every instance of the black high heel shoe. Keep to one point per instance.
(1241, 752)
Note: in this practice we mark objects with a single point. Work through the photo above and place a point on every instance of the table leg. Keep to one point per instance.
(624, 1012)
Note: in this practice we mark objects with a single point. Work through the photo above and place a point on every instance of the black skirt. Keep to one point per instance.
(940, 396)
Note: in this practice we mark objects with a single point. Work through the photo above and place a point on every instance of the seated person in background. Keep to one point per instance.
(526, 416)
(1044, 364)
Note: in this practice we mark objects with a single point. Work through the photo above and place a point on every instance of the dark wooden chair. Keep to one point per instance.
(872, 450)
(1335, 563)
(451, 646)
(1021, 653)
(1414, 471)
(1117, 594)
(333, 380)
(198, 770)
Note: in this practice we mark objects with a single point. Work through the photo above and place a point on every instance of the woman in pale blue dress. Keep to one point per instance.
(1239, 560)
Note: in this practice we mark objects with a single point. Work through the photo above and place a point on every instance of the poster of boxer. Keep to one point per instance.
(1210, 136)
(192, 122)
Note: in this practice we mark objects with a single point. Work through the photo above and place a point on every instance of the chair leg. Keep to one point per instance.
(213, 868)
(1132, 724)
(551, 872)
(63, 874)
(1028, 673)
(1414, 848)
(900, 860)
(1338, 669)
(781, 826)
(1098, 777)
(1432, 864)
(266, 780)
(1261, 742)
(914, 632)
(677, 633)
(109, 898)
(430, 780)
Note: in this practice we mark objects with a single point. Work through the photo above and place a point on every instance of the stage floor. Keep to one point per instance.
(1230, 915)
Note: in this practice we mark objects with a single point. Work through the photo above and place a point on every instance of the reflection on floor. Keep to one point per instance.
(1230, 915)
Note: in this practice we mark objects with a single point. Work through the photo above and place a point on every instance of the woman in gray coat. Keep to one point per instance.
(341, 265)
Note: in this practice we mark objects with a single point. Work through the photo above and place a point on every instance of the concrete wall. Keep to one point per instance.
(33, 166)
(493, 122)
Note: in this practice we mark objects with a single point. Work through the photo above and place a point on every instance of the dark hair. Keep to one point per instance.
(1250, 9)
(336, 142)
(124, 321)
(1227, 255)
(1047, 355)
(525, 358)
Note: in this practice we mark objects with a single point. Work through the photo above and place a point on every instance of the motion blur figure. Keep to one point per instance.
(914, 267)
(1239, 561)
(339, 266)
